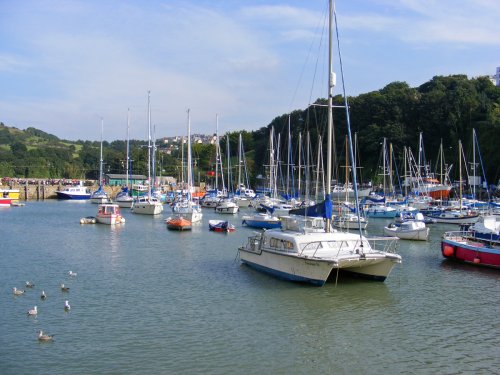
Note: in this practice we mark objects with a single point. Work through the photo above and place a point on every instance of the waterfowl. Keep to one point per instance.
(42, 337)
(43, 295)
(17, 292)
(33, 311)
(71, 273)
(64, 288)
(29, 284)
(67, 307)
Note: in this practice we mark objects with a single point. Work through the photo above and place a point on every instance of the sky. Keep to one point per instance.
(65, 64)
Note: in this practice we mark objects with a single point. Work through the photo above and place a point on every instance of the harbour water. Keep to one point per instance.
(151, 301)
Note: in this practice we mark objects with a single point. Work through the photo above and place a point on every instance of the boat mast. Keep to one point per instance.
(331, 85)
(149, 144)
(128, 147)
(100, 160)
(228, 166)
(240, 160)
(189, 171)
(217, 153)
(460, 170)
(300, 166)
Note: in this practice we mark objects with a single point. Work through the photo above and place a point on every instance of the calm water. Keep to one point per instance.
(150, 301)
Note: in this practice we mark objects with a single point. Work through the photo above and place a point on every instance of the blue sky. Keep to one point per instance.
(64, 64)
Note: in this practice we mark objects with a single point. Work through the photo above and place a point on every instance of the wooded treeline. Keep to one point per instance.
(444, 109)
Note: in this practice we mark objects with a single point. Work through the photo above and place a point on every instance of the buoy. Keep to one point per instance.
(448, 250)
(477, 260)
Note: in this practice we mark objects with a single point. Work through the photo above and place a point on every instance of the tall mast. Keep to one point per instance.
(149, 143)
(100, 160)
(217, 153)
(189, 161)
(228, 166)
(128, 147)
(288, 159)
(460, 170)
(300, 166)
(240, 159)
(331, 85)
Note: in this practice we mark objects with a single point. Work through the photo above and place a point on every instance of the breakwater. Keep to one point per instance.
(42, 191)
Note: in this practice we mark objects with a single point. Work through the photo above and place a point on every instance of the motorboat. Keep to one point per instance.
(486, 228)
(74, 192)
(109, 213)
(464, 247)
(178, 223)
(147, 205)
(220, 226)
(226, 206)
(413, 229)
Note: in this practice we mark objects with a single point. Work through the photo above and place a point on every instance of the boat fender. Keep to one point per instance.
(477, 260)
(448, 250)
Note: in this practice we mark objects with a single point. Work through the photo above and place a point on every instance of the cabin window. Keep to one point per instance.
(311, 246)
(282, 245)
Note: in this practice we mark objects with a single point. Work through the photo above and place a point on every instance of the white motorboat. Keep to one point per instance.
(226, 206)
(147, 205)
(110, 214)
(409, 229)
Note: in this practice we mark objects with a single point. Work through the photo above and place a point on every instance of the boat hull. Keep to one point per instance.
(420, 234)
(144, 208)
(471, 252)
(67, 196)
(110, 219)
(256, 222)
(314, 271)
(180, 224)
(227, 210)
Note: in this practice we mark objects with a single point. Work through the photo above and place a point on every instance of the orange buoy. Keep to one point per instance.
(448, 250)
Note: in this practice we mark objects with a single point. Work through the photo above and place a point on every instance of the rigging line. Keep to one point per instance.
(348, 122)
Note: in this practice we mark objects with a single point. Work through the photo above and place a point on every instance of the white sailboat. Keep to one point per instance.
(147, 204)
(100, 196)
(303, 249)
(123, 198)
(186, 207)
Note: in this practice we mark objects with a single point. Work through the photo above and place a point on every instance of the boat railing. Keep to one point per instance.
(385, 244)
(253, 244)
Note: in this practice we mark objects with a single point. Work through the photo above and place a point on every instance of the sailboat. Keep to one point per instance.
(243, 194)
(147, 204)
(100, 196)
(185, 206)
(123, 198)
(212, 197)
(227, 205)
(458, 215)
(307, 249)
